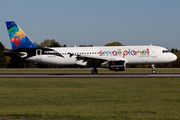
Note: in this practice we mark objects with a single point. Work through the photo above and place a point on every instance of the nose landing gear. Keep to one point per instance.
(153, 71)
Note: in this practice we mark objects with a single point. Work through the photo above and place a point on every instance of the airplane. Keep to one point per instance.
(114, 58)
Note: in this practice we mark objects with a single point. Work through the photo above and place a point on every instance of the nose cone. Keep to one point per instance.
(170, 58)
(173, 57)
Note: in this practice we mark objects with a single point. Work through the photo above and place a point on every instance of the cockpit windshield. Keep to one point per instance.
(165, 51)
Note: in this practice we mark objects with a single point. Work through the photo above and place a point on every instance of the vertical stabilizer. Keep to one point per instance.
(17, 37)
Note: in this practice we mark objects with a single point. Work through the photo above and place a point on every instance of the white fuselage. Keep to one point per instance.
(130, 54)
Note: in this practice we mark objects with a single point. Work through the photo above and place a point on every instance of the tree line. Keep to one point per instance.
(10, 62)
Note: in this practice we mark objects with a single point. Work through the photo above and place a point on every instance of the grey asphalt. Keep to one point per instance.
(89, 76)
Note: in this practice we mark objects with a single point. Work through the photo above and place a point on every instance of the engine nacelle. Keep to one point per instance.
(116, 65)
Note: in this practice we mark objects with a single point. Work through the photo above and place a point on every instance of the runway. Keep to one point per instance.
(89, 76)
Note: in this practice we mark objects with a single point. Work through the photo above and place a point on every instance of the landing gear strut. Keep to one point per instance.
(153, 71)
(94, 71)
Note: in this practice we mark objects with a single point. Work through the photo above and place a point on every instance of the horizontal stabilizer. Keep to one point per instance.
(15, 54)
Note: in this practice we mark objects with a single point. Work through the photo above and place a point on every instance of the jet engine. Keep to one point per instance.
(116, 65)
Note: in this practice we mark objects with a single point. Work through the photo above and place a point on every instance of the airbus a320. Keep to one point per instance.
(114, 58)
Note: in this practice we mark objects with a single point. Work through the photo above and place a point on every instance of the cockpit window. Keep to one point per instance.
(165, 51)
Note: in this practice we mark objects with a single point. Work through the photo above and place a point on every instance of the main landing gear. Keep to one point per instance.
(94, 71)
(153, 71)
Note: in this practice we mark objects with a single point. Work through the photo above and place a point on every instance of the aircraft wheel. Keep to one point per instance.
(94, 71)
(153, 71)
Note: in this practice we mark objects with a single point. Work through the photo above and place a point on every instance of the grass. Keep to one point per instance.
(90, 98)
(88, 71)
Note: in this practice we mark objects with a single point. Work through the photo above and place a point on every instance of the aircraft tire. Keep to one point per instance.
(94, 71)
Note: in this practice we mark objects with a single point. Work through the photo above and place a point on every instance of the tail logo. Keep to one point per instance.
(17, 37)
(16, 41)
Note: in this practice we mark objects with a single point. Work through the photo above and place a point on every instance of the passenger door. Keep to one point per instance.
(38, 54)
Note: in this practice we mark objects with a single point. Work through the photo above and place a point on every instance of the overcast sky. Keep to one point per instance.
(95, 22)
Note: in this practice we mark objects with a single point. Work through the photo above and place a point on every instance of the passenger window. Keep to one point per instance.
(38, 52)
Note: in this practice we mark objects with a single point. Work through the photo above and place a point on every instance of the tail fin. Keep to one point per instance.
(17, 37)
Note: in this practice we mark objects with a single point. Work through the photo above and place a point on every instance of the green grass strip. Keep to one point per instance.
(90, 98)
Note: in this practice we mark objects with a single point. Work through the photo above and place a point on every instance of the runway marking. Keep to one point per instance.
(89, 76)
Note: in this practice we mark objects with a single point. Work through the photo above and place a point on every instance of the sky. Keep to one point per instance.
(94, 22)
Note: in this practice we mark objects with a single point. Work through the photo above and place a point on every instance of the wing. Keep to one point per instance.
(97, 60)
(89, 58)
(92, 61)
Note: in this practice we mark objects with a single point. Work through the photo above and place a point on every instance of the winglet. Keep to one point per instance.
(17, 37)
